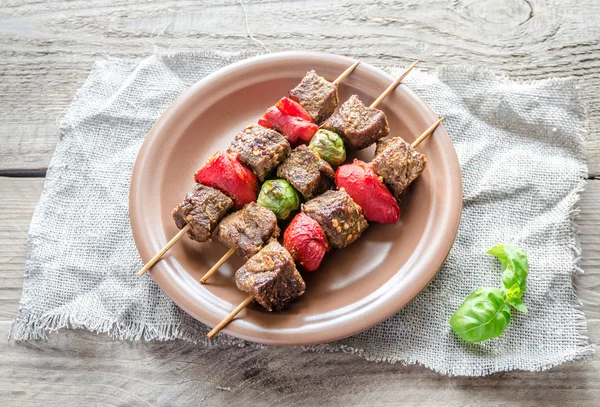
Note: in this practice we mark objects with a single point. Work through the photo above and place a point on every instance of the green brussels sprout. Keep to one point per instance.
(280, 197)
(329, 146)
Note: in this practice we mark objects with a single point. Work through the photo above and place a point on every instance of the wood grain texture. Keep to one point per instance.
(19, 198)
(89, 369)
(47, 48)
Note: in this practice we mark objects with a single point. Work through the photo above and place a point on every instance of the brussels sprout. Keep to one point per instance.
(329, 146)
(280, 197)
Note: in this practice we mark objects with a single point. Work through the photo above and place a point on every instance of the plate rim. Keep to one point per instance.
(168, 283)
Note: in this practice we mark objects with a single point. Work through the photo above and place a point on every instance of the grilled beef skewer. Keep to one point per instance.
(260, 149)
(318, 96)
(202, 209)
(359, 183)
(245, 232)
(308, 173)
(306, 169)
(360, 125)
(270, 277)
(197, 215)
(398, 163)
(263, 154)
(338, 217)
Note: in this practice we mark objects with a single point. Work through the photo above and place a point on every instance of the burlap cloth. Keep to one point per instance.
(523, 167)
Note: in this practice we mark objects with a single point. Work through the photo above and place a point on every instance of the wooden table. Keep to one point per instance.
(46, 51)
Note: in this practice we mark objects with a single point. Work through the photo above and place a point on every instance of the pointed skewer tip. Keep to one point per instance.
(427, 133)
(218, 264)
(394, 85)
(230, 317)
(347, 72)
(162, 251)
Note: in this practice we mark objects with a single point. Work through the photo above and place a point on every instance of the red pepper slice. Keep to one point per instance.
(289, 107)
(264, 122)
(306, 242)
(226, 173)
(366, 189)
(271, 118)
(291, 121)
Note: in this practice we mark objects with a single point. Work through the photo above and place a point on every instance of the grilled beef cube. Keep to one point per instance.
(202, 209)
(307, 172)
(271, 276)
(317, 96)
(260, 149)
(338, 215)
(398, 164)
(248, 229)
(359, 125)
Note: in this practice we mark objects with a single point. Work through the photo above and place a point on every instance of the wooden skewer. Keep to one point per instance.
(374, 104)
(347, 72)
(227, 255)
(427, 133)
(250, 298)
(218, 264)
(229, 317)
(393, 85)
(163, 250)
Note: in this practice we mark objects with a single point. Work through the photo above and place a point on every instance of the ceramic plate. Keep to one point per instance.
(356, 287)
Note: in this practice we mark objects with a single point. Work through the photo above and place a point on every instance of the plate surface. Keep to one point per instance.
(356, 287)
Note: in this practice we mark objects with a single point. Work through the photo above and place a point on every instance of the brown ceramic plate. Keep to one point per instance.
(356, 287)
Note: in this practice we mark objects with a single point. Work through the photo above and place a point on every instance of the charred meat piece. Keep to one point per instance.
(202, 209)
(339, 216)
(260, 149)
(317, 95)
(398, 164)
(248, 229)
(271, 276)
(307, 172)
(359, 125)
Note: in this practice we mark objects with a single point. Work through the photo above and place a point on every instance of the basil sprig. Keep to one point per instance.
(485, 313)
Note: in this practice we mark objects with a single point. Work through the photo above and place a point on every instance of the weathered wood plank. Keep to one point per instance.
(47, 48)
(84, 368)
(90, 369)
(19, 198)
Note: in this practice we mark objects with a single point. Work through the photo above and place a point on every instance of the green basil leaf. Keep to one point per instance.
(513, 292)
(518, 304)
(484, 314)
(515, 266)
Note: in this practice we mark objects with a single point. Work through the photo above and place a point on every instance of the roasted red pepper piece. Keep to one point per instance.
(306, 242)
(368, 191)
(271, 117)
(291, 120)
(227, 174)
(264, 122)
(289, 107)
